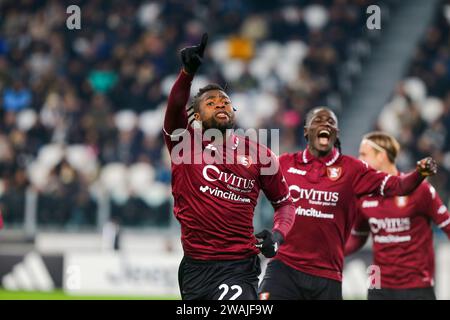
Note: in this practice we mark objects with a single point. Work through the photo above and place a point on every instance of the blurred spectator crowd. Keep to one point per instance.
(81, 110)
(418, 113)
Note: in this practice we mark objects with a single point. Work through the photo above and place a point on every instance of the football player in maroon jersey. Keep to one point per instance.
(214, 201)
(324, 186)
(400, 228)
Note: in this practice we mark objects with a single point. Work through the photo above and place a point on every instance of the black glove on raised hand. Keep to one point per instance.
(192, 57)
(427, 167)
(269, 242)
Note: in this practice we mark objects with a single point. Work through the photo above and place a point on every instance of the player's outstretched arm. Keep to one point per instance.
(176, 115)
(370, 181)
(404, 185)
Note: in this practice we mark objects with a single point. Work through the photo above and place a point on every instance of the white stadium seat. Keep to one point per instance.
(140, 177)
(431, 109)
(315, 16)
(26, 119)
(82, 158)
(415, 88)
(50, 155)
(125, 120)
(151, 122)
(113, 178)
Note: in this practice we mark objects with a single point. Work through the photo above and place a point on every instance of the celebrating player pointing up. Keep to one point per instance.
(215, 201)
(324, 186)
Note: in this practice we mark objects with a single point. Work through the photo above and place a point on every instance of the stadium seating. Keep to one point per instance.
(82, 110)
(418, 113)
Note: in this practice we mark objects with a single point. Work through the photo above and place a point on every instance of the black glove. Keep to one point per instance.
(427, 167)
(269, 242)
(192, 57)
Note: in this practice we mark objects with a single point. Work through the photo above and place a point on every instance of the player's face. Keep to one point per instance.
(322, 131)
(216, 110)
(371, 156)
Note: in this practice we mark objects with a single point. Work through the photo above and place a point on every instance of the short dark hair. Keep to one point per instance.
(311, 113)
(195, 103)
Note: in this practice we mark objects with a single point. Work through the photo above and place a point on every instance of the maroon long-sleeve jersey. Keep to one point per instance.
(402, 235)
(214, 202)
(325, 191)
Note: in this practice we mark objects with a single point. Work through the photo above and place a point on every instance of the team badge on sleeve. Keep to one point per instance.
(334, 173)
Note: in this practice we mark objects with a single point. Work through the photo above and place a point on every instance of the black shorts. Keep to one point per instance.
(282, 282)
(402, 294)
(219, 280)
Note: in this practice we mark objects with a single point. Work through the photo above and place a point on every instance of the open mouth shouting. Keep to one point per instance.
(222, 115)
(324, 136)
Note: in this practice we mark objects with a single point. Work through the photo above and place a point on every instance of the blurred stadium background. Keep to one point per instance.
(84, 176)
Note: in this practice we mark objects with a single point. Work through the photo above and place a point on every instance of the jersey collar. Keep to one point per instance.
(329, 160)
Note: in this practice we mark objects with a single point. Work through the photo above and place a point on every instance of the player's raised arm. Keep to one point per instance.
(176, 115)
(403, 185)
(372, 181)
(277, 191)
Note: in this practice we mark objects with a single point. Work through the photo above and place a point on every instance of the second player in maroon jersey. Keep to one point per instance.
(325, 186)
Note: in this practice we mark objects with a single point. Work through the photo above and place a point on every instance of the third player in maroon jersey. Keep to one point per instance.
(400, 228)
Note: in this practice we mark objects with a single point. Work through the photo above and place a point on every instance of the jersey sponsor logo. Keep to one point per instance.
(246, 161)
(401, 201)
(228, 195)
(370, 204)
(211, 173)
(334, 173)
(391, 239)
(296, 171)
(315, 197)
(389, 224)
(311, 212)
